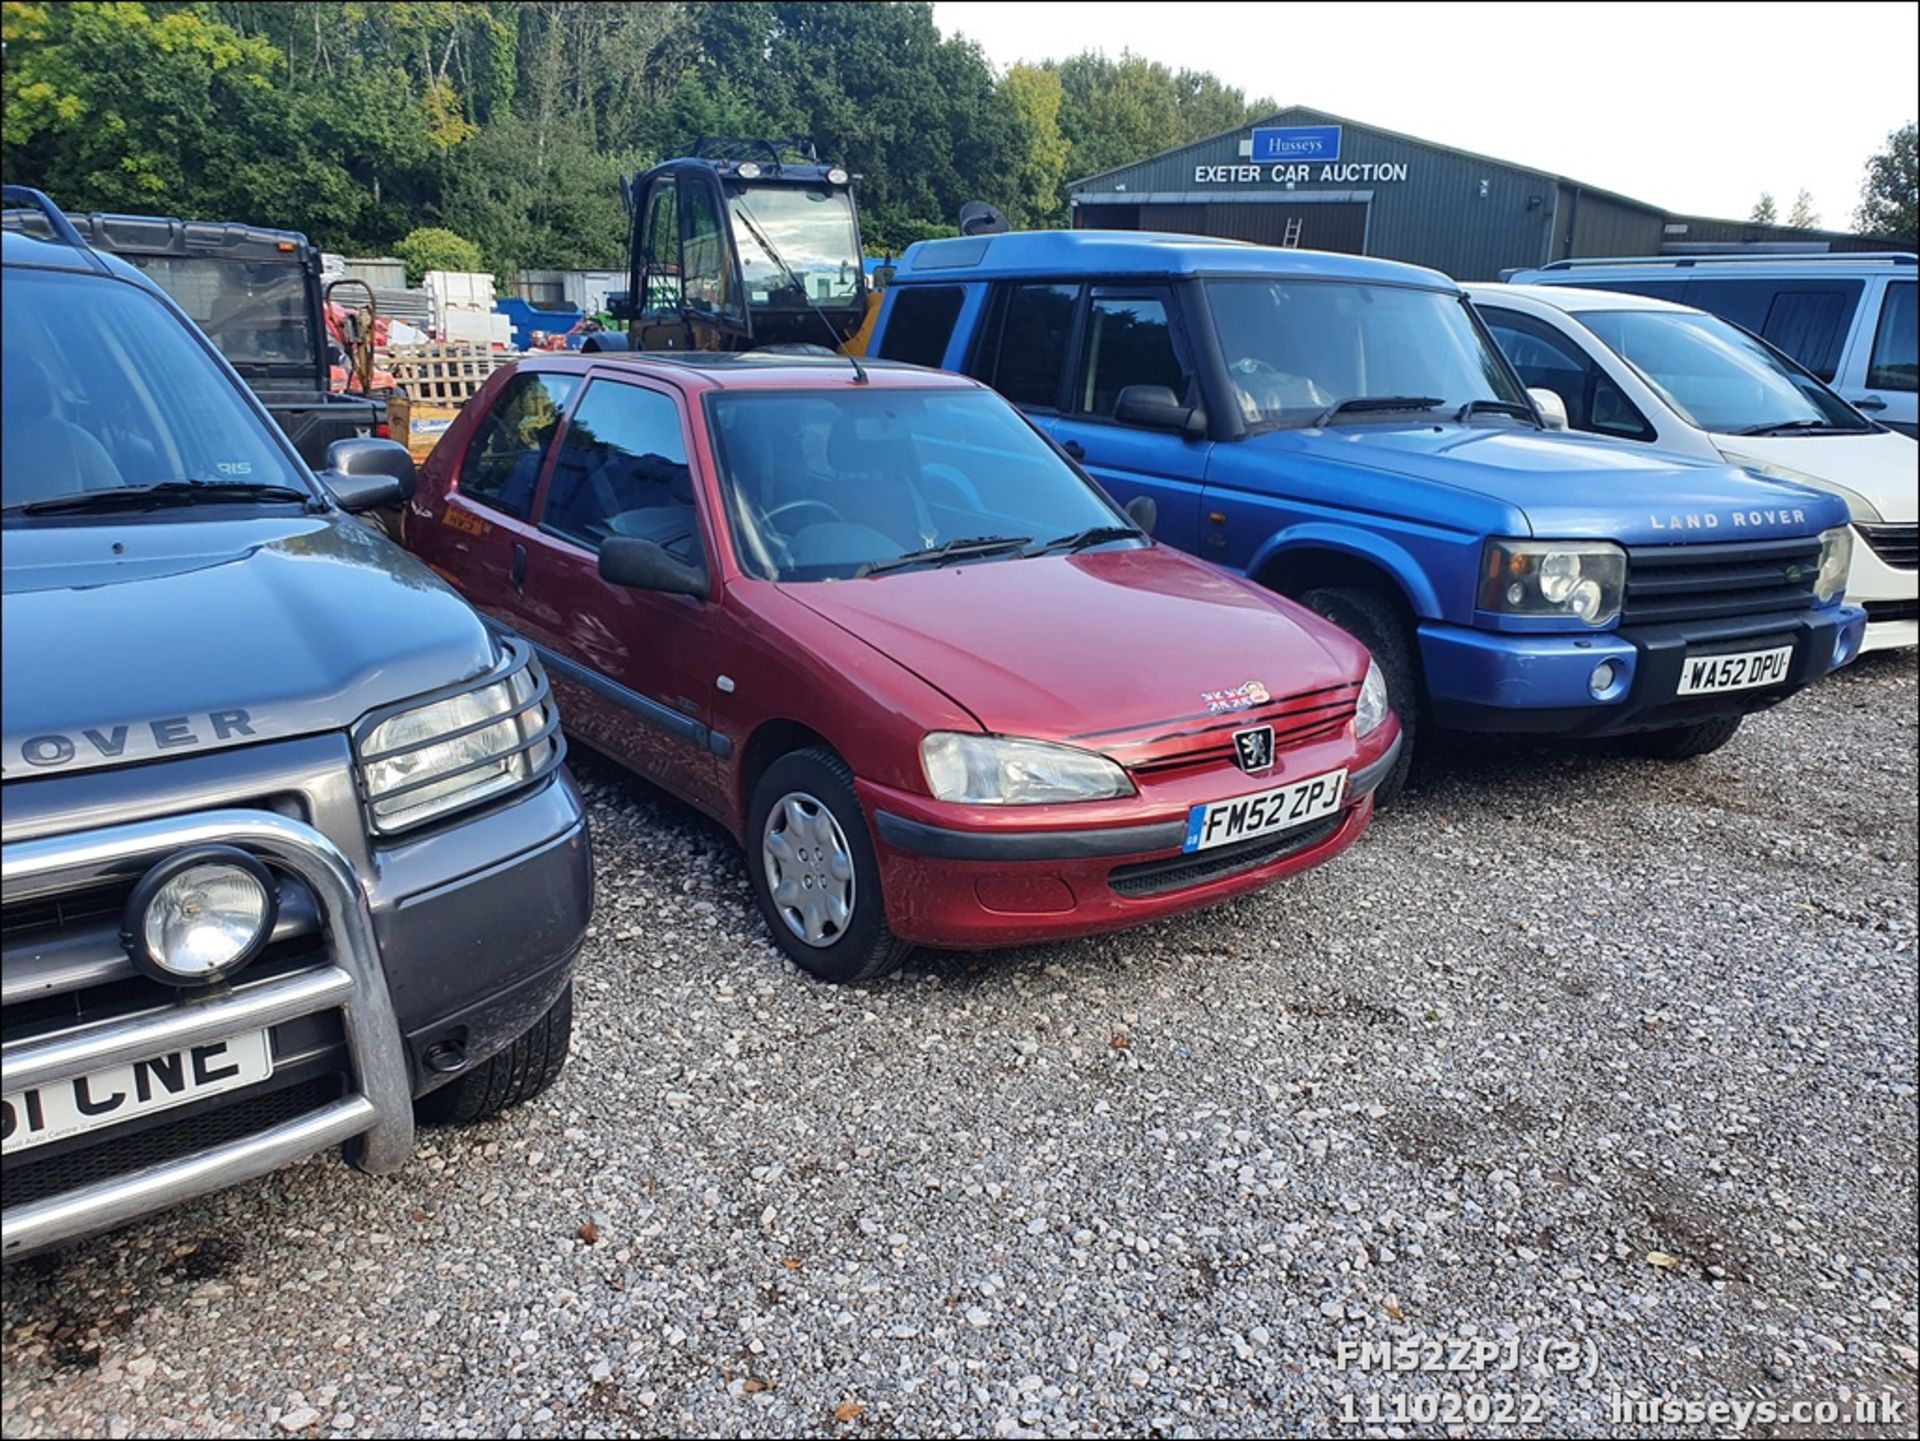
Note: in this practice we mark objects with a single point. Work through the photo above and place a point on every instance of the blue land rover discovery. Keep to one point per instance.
(1343, 430)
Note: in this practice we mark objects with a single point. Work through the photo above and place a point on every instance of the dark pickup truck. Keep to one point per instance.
(291, 856)
(257, 296)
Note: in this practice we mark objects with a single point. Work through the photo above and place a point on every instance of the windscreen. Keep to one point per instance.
(1294, 349)
(1716, 375)
(820, 484)
(102, 387)
(812, 229)
(255, 311)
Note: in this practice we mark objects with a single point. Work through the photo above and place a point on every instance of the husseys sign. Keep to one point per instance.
(1297, 154)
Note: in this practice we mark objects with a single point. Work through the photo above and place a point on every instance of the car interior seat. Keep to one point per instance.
(44, 456)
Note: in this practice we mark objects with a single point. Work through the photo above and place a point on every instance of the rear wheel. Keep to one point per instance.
(519, 1073)
(1683, 743)
(815, 873)
(1374, 620)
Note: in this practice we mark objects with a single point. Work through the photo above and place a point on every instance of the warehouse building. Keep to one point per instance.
(1313, 180)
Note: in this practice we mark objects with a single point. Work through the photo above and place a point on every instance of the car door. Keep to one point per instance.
(635, 668)
(1130, 335)
(1879, 374)
(486, 526)
(1025, 340)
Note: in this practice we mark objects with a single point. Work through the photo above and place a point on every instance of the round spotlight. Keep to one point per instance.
(836, 176)
(1604, 676)
(748, 170)
(200, 915)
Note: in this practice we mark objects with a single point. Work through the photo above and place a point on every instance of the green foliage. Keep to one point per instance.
(1803, 216)
(433, 248)
(1115, 112)
(1890, 193)
(1765, 212)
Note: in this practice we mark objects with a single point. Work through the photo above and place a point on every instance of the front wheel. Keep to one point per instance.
(815, 873)
(1683, 743)
(519, 1073)
(1374, 620)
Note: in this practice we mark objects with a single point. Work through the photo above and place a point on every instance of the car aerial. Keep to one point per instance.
(291, 856)
(1666, 375)
(1850, 318)
(1343, 430)
(940, 688)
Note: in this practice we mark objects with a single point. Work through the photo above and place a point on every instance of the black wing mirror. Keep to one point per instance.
(1157, 408)
(368, 474)
(642, 565)
(1144, 512)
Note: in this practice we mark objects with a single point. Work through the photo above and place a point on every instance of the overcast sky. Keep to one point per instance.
(1693, 107)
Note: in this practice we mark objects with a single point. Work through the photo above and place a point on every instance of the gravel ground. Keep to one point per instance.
(1609, 1059)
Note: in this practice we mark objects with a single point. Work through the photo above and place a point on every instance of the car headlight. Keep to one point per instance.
(200, 915)
(1371, 708)
(1862, 508)
(436, 755)
(1000, 771)
(1836, 559)
(1580, 579)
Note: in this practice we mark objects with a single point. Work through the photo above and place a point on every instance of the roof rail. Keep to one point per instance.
(56, 218)
(1682, 262)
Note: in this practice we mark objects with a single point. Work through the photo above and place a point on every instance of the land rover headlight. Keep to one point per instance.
(200, 915)
(1001, 771)
(1862, 508)
(1836, 559)
(1582, 579)
(1371, 708)
(425, 759)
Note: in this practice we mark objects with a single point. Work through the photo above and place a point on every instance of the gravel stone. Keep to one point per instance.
(1573, 1050)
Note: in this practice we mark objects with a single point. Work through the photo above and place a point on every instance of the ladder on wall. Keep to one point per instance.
(1292, 242)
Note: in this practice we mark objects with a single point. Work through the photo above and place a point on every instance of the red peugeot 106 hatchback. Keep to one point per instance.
(941, 688)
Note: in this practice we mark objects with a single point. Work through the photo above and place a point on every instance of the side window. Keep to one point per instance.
(503, 460)
(1808, 319)
(1129, 342)
(708, 269)
(662, 279)
(922, 323)
(622, 470)
(1547, 360)
(1896, 348)
(1028, 356)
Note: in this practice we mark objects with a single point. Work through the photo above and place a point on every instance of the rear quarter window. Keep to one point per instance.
(921, 324)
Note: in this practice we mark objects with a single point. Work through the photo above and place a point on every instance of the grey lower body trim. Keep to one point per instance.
(951, 845)
(1366, 780)
(380, 1115)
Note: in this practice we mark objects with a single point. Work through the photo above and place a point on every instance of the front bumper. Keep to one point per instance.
(969, 878)
(1889, 594)
(1500, 681)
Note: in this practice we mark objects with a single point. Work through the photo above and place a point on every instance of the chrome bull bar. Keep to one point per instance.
(377, 1119)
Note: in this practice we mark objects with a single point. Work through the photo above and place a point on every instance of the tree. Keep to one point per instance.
(1765, 212)
(1040, 179)
(432, 248)
(1803, 216)
(1890, 193)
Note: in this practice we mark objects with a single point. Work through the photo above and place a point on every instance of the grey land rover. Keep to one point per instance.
(291, 857)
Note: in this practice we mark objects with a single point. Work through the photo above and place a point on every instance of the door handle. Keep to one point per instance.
(1869, 402)
(519, 569)
(1074, 448)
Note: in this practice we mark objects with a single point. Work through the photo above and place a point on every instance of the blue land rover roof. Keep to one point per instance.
(1140, 252)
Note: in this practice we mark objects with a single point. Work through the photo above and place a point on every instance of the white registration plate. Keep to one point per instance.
(1261, 814)
(1700, 674)
(119, 1093)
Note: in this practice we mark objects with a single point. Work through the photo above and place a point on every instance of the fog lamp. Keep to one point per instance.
(200, 915)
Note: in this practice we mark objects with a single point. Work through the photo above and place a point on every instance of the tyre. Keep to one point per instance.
(1683, 743)
(1374, 620)
(814, 871)
(519, 1073)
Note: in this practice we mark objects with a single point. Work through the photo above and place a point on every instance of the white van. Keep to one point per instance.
(1850, 319)
(1676, 378)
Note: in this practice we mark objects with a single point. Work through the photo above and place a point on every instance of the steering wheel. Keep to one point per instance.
(770, 516)
(1253, 365)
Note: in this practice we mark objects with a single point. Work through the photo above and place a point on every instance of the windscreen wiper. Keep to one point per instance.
(1780, 427)
(1496, 407)
(962, 549)
(1355, 405)
(1092, 535)
(168, 492)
